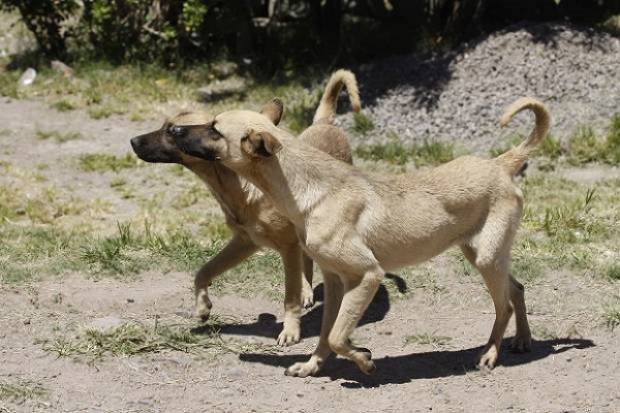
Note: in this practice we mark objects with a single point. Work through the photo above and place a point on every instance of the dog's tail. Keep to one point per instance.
(516, 157)
(327, 108)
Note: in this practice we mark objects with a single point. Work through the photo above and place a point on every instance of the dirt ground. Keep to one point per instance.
(574, 365)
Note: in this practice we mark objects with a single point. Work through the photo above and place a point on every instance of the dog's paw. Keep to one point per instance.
(307, 300)
(309, 368)
(488, 358)
(289, 336)
(363, 359)
(203, 306)
(307, 296)
(522, 344)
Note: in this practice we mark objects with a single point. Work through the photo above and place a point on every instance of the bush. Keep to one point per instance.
(45, 19)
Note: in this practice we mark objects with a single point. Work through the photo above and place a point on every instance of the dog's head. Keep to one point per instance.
(234, 137)
(160, 145)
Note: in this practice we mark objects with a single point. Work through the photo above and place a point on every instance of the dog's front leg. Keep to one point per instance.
(307, 294)
(332, 288)
(292, 261)
(238, 249)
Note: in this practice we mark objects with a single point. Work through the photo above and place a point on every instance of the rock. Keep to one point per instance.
(224, 69)
(222, 89)
(62, 68)
(458, 97)
(27, 77)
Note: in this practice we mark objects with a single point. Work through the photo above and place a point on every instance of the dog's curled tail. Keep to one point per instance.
(516, 157)
(327, 108)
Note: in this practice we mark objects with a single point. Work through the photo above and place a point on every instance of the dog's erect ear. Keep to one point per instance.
(273, 110)
(260, 144)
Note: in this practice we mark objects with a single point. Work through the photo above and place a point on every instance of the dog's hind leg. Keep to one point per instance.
(358, 295)
(307, 294)
(489, 252)
(522, 340)
(331, 305)
(238, 249)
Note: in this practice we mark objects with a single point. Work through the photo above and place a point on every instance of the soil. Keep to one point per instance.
(573, 365)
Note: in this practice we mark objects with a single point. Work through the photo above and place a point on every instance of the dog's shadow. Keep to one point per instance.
(426, 365)
(267, 326)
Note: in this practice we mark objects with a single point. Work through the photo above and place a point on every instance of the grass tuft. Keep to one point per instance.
(572, 221)
(427, 338)
(58, 136)
(611, 315)
(394, 152)
(613, 272)
(132, 338)
(362, 124)
(63, 106)
(20, 391)
(101, 162)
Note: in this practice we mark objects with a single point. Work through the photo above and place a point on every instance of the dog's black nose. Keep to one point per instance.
(135, 142)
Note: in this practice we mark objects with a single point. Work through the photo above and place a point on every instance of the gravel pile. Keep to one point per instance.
(460, 97)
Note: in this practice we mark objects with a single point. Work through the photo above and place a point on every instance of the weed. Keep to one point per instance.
(611, 315)
(612, 141)
(583, 147)
(550, 147)
(58, 136)
(427, 338)
(126, 253)
(362, 124)
(613, 272)
(394, 152)
(63, 105)
(134, 338)
(117, 182)
(572, 221)
(96, 162)
(20, 391)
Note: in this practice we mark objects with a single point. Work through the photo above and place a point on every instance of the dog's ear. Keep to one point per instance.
(273, 110)
(260, 144)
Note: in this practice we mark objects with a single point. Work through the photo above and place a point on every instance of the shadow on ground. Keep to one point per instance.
(427, 365)
(266, 325)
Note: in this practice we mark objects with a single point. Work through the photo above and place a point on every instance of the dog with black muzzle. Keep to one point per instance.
(253, 219)
(356, 225)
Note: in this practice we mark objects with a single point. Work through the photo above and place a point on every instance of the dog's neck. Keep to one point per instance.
(293, 182)
(233, 192)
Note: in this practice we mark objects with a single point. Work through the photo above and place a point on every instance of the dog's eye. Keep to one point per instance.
(177, 131)
(215, 135)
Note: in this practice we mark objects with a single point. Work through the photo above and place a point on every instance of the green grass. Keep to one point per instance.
(613, 272)
(63, 106)
(585, 147)
(101, 162)
(362, 124)
(427, 338)
(128, 252)
(57, 136)
(132, 338)
(21, 390)
(394, 152)
(611, 315)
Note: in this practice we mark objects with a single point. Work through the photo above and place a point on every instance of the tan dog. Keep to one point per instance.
(254, 221)
(357, 226)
